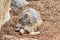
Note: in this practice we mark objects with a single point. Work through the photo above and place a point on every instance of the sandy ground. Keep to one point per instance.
(50, 29)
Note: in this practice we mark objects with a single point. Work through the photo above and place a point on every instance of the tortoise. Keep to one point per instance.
(29, 20)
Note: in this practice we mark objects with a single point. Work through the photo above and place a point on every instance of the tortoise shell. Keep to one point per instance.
(29, 20)
(15, 4)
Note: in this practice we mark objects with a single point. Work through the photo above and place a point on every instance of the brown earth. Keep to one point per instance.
(50, 29)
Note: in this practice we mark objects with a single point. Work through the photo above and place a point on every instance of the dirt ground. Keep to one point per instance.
(50, 29)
